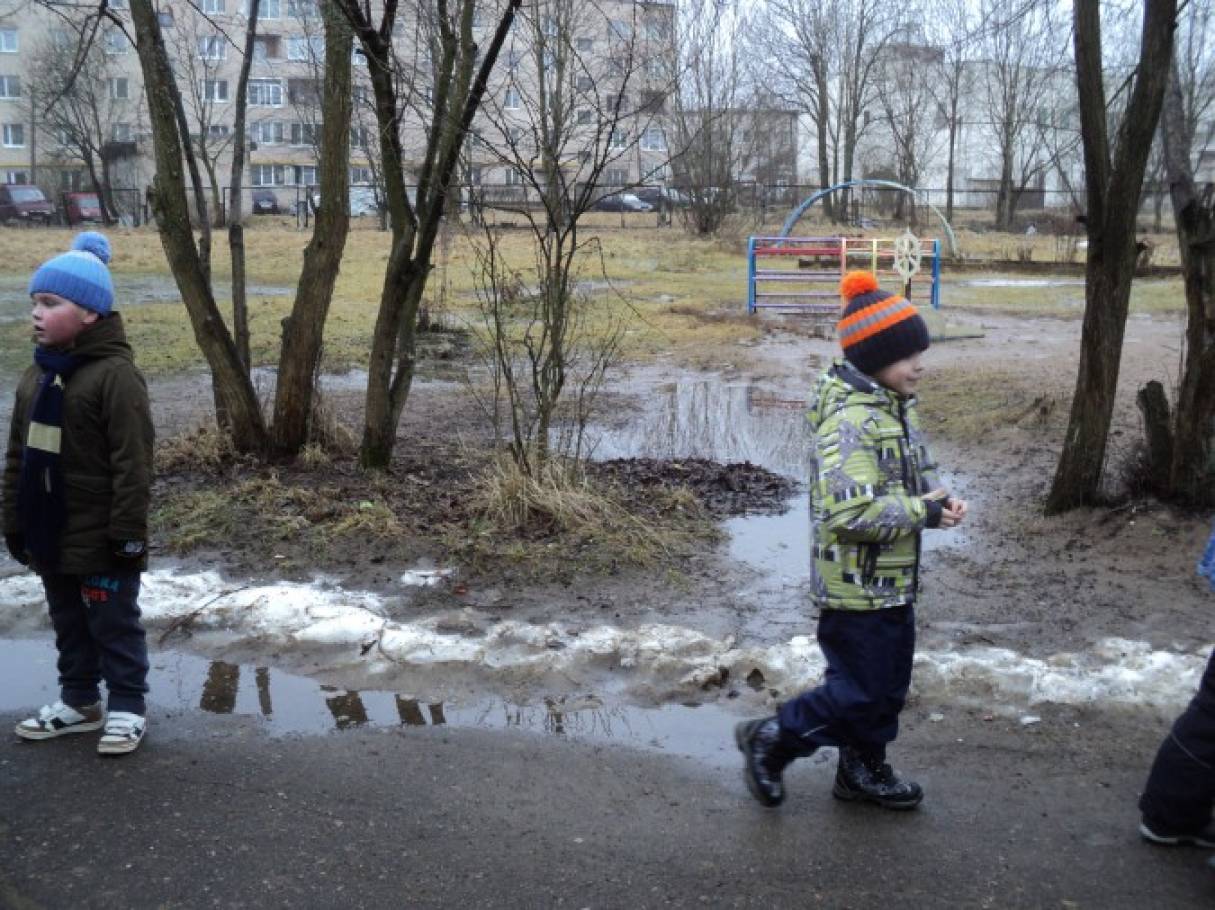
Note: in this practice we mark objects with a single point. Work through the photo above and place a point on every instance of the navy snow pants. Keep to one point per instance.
(99, 636)
(869, 656)
(1180, 791)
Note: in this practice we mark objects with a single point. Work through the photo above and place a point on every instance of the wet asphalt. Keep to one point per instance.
(213, 812)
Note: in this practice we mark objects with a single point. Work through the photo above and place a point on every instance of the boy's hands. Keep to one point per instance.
(16, 547)
(953, 510)
(128, 554)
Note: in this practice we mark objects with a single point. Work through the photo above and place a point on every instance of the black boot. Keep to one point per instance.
(767, 752)
(861, 777)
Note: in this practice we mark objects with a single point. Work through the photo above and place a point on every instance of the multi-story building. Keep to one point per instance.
(616, 76)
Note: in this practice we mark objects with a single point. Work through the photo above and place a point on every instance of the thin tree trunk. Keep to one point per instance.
(236, 215)
(303, 329)
(233, 390)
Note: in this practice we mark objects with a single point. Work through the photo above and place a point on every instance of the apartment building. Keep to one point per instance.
(614, 58)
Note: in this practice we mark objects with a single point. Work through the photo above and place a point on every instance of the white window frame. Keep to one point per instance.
(214, 90)
(14, 135)
(115, 43)
(212, 47)
(267, 9)
(360, 176)
(276, 173)
(615, 176)
(275, 90)
(512, 99)
(119, 4)
(266, 132)
(305, 9)
(10, 42)
(119, 88)
(304, 49)
(585, 116)
(213, 7)
(305, 175)
(218, 131)
(10, 86)
(121, 132)
(653, 140)
(303, 134)
(584, 45)
(360, 137)
(16, 177)
(619, 139)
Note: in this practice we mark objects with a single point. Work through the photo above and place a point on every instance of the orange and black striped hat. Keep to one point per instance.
(878, 328)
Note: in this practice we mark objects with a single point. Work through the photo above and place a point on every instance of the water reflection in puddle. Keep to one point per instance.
(286, 704)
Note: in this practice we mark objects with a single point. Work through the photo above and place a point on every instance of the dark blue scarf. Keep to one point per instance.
(40, 500)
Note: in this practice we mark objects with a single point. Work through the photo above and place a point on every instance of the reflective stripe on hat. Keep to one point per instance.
(866, 323)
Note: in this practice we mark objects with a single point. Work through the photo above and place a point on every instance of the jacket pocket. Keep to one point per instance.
(867, 560)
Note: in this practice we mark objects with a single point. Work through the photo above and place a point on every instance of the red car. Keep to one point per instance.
(79, 207)
(24, 204)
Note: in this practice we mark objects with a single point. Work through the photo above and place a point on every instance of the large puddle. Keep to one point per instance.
(283, 704)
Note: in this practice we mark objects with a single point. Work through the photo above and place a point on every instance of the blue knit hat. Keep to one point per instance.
(80, 276)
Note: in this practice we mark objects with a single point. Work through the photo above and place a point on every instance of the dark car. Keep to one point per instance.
(24, 204)
(621, 202)
(81, 207)
(265, 203)
(661, 197)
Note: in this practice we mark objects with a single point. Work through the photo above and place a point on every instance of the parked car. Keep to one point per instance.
(660, 196)
(81, 207)
(265, 203)
(621, 202)
(24, 204)
(362, 201)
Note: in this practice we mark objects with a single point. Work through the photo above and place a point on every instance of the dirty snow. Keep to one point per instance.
(349, 632)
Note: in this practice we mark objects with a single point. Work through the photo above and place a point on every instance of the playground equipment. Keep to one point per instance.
(802, 274)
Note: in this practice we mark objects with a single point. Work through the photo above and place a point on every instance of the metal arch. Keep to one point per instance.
(797, 213)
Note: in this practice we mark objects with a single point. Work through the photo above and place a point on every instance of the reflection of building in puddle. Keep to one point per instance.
(345, 706)
(717, 421)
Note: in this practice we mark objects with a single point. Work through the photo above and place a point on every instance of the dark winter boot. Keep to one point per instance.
(865, 778)
(767, 754)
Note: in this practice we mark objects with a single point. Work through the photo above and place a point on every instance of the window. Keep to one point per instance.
(512, 101)
(212, 47)
(653, 102)
(621, 100)
(305, 175)
(214, 89)
(585, 115)
(217, 130)
(115, 42)
(360, 95)
(357, 57)
(268, 9)
(210, 6)
(652, 140)
(306, 48)
(16, 177)
(584, 84)
(267, 175)
(620, 30)
(615, 176)
(303, 91)
(265, 93)
(118, 88)
(303, 134)
(303, 9)
(14, 135)
(119, 4)
(360, 175)
(266, 132)
(514, 177)
(618, 66)
(165, 18)
(266, 47)
(619, 139)
(583, 45)
(656, 29)
(71, 181)
(8, 41)
(10, 86)
(657, 68)
(121, 132)
(359, 137)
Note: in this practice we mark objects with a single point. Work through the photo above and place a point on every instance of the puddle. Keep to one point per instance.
(1018, 282)
(284, 704)
(129, 290)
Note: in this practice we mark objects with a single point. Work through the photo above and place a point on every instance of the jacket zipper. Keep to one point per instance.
(904, 456)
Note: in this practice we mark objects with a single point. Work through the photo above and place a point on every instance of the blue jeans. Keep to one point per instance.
(869, 656)
(99, 636)
(1180, 791)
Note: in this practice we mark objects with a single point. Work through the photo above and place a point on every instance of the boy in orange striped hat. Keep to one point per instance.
(874, 489)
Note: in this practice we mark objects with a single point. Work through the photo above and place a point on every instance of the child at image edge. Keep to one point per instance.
(874, 489)
(77, 479)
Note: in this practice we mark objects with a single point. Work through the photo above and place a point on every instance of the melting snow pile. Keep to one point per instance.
(350, 632)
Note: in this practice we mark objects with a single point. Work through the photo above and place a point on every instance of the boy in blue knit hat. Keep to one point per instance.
(77, 481)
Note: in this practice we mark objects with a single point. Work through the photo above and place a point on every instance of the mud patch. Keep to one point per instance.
(741, 488)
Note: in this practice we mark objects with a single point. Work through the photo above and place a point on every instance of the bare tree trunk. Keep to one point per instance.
(234, 393)
(1113, 188)
(1191, 472)
(303, 329)
(236, 215)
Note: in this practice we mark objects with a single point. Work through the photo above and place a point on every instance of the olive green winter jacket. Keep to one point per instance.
(870, 468)
(106, 451)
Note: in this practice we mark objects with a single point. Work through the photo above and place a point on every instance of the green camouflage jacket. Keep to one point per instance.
(870, 467)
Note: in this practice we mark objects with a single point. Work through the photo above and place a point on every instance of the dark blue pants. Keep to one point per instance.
(99, 636)
(868, 674)
(1180, 791)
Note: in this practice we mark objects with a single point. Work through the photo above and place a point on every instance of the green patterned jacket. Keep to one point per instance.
(870, 467)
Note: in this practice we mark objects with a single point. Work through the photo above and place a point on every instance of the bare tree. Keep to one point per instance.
(1022, 52)
(457, 86)
(1113, 180)
(953, 33)
(909, 109)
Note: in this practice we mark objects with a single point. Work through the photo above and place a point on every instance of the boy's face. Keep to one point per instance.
(58, 321)
(902, 376)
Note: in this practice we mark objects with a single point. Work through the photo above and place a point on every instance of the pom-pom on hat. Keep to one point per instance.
(877, 328)
(80, 275)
